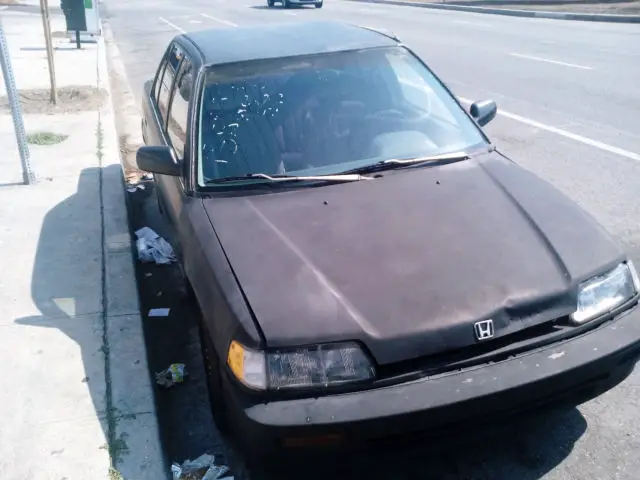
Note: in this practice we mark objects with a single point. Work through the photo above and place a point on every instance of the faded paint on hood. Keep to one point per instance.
(408, 262)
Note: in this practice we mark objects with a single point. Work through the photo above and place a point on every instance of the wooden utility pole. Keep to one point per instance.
(44, 10)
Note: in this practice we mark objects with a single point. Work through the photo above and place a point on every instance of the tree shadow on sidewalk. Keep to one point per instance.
(68, 282)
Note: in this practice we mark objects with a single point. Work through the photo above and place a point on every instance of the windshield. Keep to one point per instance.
(325, 114)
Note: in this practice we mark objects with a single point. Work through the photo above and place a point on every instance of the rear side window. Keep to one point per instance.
(174, 55)
(178, 116)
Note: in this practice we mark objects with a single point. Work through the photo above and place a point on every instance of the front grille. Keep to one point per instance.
(481, 353)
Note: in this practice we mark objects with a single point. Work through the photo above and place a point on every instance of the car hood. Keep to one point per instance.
(407, 263)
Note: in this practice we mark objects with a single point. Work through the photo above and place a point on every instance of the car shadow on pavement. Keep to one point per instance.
(67, 287)
(186, 424)
(526, 451)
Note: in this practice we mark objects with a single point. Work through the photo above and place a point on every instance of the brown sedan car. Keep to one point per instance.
(367, 263)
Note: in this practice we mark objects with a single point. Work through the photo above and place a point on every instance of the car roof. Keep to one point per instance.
(275, 40)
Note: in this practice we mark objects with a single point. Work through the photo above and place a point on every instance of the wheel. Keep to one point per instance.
(286, 4)
(214, 380)
(318, 4)
(270, 3)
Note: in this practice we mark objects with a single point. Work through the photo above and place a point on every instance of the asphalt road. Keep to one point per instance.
(569, 100)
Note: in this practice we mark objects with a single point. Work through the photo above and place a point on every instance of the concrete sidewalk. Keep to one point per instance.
(77, 397)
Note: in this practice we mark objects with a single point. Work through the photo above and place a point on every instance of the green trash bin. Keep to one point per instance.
(74, 15)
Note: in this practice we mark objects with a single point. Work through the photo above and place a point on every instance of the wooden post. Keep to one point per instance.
(44, 10)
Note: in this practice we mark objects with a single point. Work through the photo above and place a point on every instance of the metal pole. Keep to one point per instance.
(44, 10)
(28, 176)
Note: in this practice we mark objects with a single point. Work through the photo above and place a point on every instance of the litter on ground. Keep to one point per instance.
(152, 248)
(134, 187)
(172, 375)
(202, 468)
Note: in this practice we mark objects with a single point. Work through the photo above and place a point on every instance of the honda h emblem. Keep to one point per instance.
(483, 329)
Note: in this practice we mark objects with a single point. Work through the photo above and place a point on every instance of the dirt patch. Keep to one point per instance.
(70, 100)
(575, 6)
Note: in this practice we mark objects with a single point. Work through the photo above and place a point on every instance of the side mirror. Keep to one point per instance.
(484, 111)
(160, 160)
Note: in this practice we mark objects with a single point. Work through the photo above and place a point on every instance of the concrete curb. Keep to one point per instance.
(134, 436)
(127, 113)
(585, 17)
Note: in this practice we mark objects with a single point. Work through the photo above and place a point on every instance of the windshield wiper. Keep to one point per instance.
(342, 177)
(403, 162)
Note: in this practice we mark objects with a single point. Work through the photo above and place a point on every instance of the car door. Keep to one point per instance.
(173, 105)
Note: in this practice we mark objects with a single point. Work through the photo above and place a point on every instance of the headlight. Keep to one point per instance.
(603, 293)
(318, 366)
(247, 365)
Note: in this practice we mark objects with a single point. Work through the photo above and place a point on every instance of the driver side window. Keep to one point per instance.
(178, 115)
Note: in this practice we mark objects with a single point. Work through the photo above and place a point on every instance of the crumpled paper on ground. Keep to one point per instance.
(152, 248)
(172, 375)
(133, 187)
(202, 468)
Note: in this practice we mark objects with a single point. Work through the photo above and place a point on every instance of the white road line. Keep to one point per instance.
(219, 20)
(556, 62)
(371, 10)
(564, 133)
(173, 25)
(466, 22)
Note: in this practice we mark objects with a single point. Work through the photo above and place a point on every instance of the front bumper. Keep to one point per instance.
(564, 374)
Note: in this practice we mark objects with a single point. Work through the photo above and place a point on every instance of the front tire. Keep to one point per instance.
(286, 4)
(214, 381)
(318, 4)
(270, 3)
